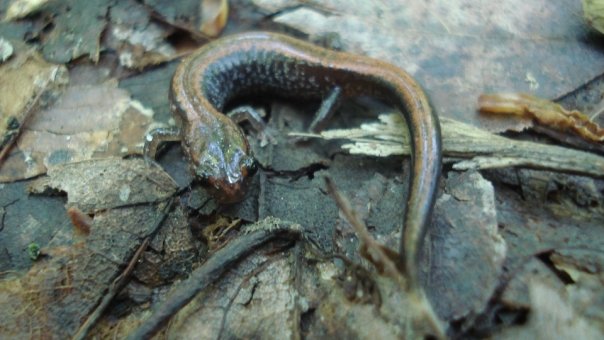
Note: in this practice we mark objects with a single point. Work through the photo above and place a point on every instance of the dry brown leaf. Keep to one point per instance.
(214, 15)
(117, 182)
(89, 120)
(541, 111)
(27, 82)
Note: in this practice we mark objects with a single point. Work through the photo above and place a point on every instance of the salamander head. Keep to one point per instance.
(225, 170)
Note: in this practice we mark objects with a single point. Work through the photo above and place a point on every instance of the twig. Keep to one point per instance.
(421, 313)
(12, 134)
(477, 148)
(374, 251)
(115, 287)
(255, 272)
(211, 271)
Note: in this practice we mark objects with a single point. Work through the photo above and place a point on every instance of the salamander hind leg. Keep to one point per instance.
(328, 107)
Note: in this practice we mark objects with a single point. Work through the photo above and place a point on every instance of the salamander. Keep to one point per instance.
(262, 63)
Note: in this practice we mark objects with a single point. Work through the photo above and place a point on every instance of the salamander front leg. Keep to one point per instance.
(155, 138)
(328, 107)
(249, 114)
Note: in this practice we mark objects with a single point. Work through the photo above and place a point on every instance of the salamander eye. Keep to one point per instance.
(250, 164)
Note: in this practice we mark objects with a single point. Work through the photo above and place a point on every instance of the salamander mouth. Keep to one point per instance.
(226, 193)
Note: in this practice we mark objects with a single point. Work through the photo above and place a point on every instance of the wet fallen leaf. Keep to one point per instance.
(172, 252)
(554, 215)
(26, 220)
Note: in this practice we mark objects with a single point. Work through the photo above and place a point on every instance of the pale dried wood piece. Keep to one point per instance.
(468, 147)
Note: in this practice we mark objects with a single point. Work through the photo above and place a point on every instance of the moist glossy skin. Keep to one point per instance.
(269, 63)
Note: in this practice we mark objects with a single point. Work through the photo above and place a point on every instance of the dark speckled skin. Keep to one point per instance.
(269, 63)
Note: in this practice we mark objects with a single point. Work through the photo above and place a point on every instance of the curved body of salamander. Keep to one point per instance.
(269, 63)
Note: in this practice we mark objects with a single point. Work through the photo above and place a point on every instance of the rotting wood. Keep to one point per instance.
(467, 147)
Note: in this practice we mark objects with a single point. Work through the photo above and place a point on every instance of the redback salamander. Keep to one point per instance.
(268, 63)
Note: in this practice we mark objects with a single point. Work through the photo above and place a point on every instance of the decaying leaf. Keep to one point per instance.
(128, 201)
(419, 319)
(173, 252)
(257, 300)
(116, 183)
(76, 29)
(542, 112)
(56, 295)
(27, 82)
(201, 18)
(137, 39)
(91, 119)
(516, 293)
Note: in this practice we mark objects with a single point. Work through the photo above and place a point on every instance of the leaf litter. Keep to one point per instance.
(508, 35)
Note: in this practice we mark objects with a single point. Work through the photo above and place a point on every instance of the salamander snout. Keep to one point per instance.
(229, 182)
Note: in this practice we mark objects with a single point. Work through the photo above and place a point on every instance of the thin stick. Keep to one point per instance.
(209, 273)
(115, 287)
